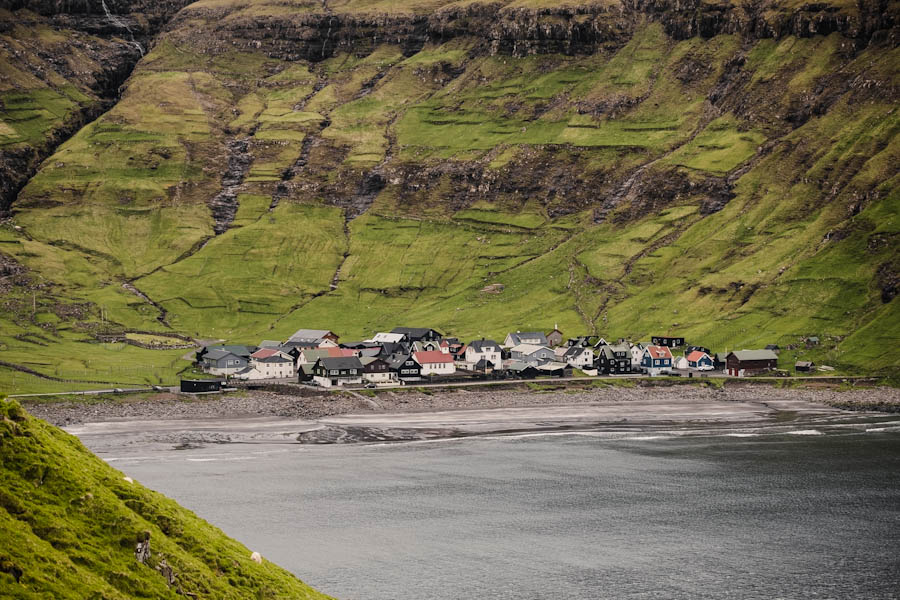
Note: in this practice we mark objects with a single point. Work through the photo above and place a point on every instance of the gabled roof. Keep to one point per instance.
(658, 352)
(529, 348)
(237, 349)
(388, 337)
(606, 351)
(484, 345)
(312, 356)
(552, 366)
(340, 362)
(804, 363)
(623, 347)
(310, 334)
(574, 351)
(696, 355)
(269, 344)
(432, 357)
(518, 366)
(519, 337)
(270, 355)
(302, 344)
(219, 354)
(414, 332)
(396, 360)
(755, 355)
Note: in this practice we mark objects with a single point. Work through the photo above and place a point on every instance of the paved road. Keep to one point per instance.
(425, 384)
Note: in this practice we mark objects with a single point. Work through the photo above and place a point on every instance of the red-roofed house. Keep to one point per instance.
(656, 360)
(269, 363)
(435, 362)
(700, 360)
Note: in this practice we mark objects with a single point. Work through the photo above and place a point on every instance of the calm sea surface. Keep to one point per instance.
(579, 516)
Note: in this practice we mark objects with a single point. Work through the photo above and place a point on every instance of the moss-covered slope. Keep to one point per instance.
(724, 171)
(69, 524)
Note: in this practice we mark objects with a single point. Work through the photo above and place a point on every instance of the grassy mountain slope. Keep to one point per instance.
(615, 171)
(69, 524)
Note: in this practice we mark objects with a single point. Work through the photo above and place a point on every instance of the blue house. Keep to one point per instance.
(656, 359)
(700, 360)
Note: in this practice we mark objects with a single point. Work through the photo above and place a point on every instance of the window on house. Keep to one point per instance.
(333, 372)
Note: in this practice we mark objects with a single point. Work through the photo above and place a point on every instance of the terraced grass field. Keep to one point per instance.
(736, 191)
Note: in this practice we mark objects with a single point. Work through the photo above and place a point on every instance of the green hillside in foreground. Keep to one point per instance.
(617, 170)
(69, 524)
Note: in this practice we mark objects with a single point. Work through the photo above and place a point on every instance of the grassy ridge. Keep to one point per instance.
(69, 523)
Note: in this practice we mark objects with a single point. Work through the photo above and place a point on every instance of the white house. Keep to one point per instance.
(637, 354)
(578, 357)
(435, 362)
(272, 363)
(681, 362)
(377, 371)
(488, 350)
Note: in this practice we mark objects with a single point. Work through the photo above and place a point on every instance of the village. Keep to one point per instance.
(409, 355)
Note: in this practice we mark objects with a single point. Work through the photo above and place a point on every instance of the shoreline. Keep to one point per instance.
(411, 413)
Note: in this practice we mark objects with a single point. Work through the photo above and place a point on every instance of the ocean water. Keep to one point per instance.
(800, 514)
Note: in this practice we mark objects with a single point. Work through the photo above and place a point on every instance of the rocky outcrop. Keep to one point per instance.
(522, 31)
(225, 204)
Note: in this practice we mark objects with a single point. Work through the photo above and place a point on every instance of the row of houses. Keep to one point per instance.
(407, 354)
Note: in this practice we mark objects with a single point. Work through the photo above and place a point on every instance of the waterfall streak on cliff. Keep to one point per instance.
(117, 22)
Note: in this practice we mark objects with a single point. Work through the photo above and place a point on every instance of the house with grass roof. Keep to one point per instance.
(555, 337)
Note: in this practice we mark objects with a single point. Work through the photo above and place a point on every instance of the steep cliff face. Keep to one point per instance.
(62, 66)
(309, 34)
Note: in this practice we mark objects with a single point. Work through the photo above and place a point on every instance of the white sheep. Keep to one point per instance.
(128, 479)
(256, 557)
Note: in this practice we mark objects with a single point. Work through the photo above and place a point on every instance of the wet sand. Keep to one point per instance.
(640, 411)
